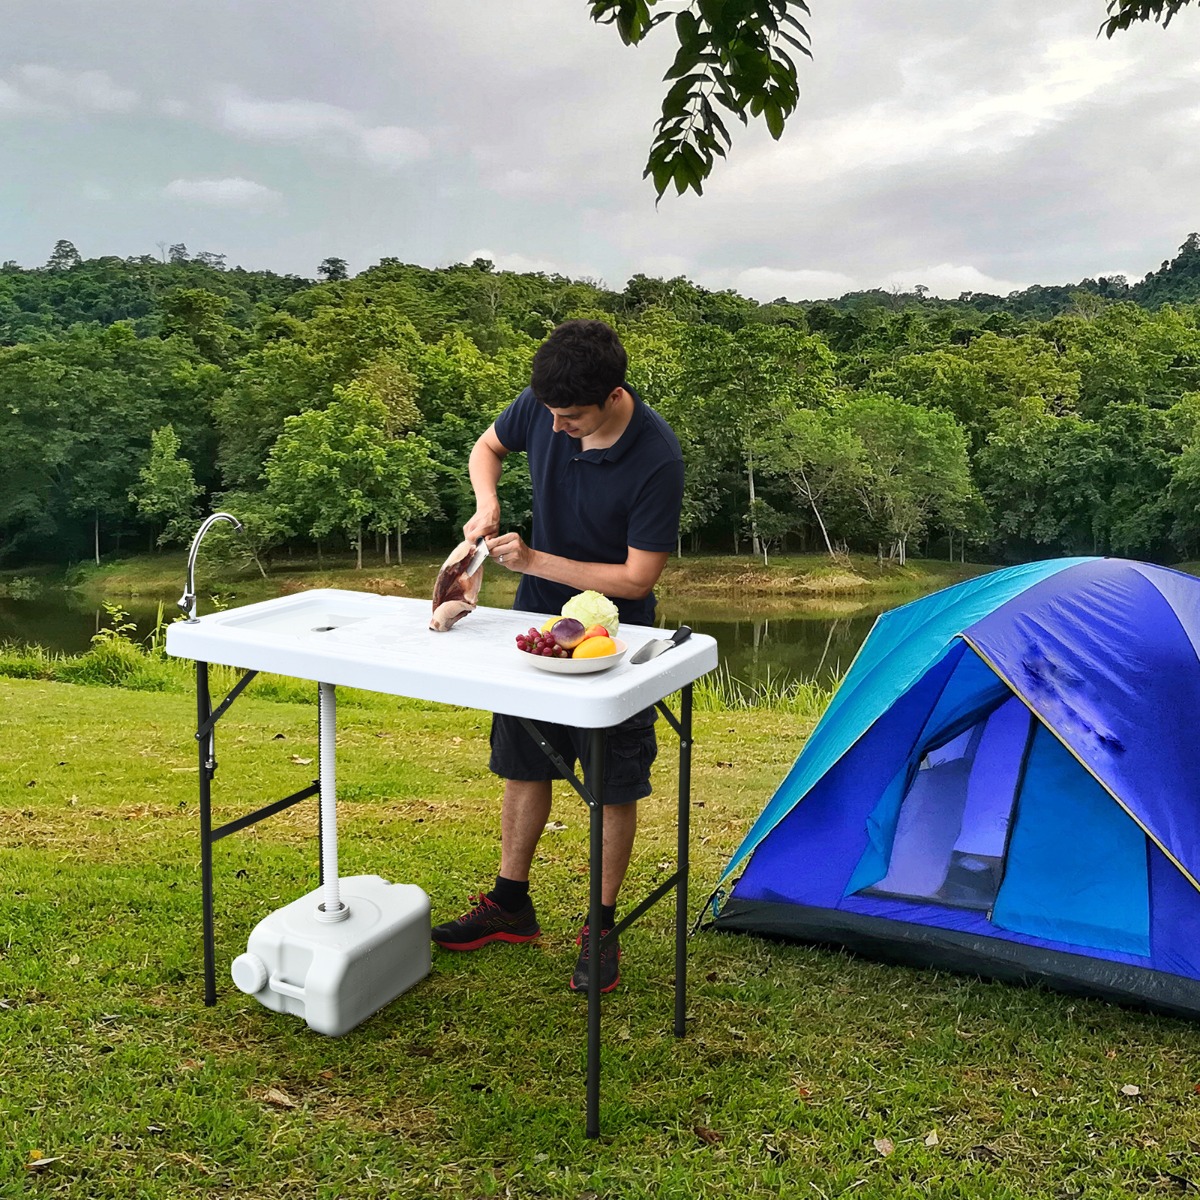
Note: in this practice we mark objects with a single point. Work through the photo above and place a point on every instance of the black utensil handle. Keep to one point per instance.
(681, 634)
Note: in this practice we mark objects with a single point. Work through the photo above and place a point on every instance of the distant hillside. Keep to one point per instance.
(42, 302)
(1177, 281)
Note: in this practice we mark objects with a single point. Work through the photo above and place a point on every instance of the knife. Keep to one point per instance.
(477, 556)
(661, 645)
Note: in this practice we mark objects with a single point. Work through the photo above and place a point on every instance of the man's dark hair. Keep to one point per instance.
(581, 362)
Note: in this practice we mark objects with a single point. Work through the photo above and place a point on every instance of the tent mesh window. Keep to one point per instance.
(952, 828)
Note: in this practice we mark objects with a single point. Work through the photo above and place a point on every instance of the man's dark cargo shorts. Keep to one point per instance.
(629, 751)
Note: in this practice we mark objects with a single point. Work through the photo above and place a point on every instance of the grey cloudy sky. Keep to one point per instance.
(959, 144)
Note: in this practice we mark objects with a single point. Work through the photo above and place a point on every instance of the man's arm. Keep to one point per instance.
(483, 466)
(633, 579)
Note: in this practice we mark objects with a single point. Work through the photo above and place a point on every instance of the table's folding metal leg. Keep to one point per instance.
(205, 746)
(595, 785)
(207, 717)
(682, 863)
(320, 824)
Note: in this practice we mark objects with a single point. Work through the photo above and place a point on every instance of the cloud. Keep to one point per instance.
(96, 192)
(764, 284)
(223, 193)
(334, 129)
(950, 280)
(523, 264)
(392, 146)
(517, 182)
(38, 88)
(13, 101)
(768, 283)
(907, 129)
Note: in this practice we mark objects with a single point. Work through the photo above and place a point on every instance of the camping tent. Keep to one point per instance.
(1006, 782)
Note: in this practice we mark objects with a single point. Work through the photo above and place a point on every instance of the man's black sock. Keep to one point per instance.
(511, 894)
(608, 916)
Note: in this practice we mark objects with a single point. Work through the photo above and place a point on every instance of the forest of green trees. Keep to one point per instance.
(136, 394)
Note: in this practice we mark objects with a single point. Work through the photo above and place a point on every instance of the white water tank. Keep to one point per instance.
(337, 973)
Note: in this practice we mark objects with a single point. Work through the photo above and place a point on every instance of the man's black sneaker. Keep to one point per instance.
(487, 922)
(610, 975)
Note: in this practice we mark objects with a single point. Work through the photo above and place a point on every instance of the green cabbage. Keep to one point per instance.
(591, 608)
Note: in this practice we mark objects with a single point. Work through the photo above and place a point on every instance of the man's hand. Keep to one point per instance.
(485, 523)
(511, 552)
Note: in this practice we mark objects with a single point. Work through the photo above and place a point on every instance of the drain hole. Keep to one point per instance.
(323, 628)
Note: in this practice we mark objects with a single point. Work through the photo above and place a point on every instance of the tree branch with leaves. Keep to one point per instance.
(736, 55)
(733, 55)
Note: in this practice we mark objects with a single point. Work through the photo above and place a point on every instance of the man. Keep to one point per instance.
(607, 476)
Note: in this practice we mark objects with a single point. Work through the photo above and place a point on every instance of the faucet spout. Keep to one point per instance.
(187, 602)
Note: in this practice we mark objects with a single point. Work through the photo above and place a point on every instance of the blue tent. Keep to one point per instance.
(1006, 782)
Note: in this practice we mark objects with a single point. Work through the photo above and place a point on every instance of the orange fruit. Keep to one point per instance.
(595, 647)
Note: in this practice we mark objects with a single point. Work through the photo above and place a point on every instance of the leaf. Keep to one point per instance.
(885, 1146)
(40, 1163)
(301, 762)
(931, 1138)
(774, 117)
(278, 1098)
(1130, 1089)
(709, 1136)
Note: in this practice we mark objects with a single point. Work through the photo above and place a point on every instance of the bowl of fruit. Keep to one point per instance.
(566, 646)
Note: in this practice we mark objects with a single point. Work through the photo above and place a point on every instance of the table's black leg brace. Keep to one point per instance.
(594, 777)
(205, 745)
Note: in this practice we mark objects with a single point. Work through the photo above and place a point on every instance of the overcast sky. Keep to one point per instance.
(960, 144)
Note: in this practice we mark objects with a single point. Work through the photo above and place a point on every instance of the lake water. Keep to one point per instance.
(809, 641)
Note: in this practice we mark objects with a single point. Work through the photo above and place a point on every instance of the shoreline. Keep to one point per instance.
(790, 580)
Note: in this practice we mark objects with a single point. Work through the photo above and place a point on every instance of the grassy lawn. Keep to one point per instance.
(804, 1072)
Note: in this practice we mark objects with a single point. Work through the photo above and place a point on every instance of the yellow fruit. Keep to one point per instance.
(547, 623)
(595, 647)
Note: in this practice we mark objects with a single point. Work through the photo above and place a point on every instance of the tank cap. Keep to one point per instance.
(249, 973)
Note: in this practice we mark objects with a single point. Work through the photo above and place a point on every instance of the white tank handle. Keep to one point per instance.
(286, 989)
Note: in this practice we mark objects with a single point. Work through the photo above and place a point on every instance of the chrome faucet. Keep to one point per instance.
(187, 602)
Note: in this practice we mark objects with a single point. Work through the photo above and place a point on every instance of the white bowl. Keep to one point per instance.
(575, 666)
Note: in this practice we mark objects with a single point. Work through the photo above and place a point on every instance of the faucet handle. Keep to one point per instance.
(187, 605)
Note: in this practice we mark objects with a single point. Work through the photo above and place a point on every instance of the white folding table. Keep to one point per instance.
(383, 644)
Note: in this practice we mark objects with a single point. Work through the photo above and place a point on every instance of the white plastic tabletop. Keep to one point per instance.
(383, 644)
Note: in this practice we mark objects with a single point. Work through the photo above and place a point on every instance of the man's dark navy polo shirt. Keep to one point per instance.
(592, 505)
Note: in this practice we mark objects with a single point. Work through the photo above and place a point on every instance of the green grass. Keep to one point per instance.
(804, 1072)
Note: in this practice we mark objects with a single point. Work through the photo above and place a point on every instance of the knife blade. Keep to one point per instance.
(661, 645)
(477, 556)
